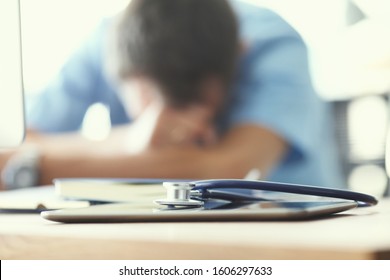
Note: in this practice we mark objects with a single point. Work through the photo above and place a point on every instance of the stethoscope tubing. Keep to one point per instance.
(361, 198)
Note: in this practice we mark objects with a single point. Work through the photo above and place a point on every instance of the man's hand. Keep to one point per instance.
(163, 126)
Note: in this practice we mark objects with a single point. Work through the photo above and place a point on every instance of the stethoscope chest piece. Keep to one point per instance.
(179, 194)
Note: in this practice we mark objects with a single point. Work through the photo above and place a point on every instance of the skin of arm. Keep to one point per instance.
(242, 148)
(232, 157)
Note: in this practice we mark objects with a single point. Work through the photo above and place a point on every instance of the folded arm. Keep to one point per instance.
(173, 144)
(243, 148)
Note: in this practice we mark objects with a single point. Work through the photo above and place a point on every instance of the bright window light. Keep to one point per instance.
(53, 29)
(367, 122)
(371, 179)
(96, 125)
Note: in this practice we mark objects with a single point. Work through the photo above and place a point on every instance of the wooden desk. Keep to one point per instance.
(357, 234)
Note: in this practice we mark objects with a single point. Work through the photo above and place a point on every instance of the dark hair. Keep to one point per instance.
(177, 43)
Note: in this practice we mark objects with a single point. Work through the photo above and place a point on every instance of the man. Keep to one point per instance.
(189, 99)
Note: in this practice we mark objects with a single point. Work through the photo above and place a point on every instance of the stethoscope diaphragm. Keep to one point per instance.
(179, 194)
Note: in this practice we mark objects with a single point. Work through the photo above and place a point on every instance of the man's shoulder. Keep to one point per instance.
(261, 21)
(246, 10)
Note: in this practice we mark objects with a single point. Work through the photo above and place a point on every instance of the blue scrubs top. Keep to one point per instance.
(273, 89)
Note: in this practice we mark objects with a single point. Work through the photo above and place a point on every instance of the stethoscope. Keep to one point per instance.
(196, 193)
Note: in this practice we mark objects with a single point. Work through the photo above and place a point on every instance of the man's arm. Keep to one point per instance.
(64, 147)
(237, 153)
(241, 149)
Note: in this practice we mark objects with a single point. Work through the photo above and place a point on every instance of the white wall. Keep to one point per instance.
(52, 29)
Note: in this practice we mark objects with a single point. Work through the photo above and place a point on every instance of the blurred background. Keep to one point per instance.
(349, 47)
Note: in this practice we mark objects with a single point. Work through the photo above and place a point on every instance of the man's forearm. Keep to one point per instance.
(162, 163)
(243, 149)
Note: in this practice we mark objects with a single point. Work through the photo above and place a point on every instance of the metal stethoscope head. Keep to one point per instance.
(180, 194)
(195, 193)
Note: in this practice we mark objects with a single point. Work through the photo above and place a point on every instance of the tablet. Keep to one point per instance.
(211, 211)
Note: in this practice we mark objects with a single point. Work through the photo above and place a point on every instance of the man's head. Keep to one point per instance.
(182, 46)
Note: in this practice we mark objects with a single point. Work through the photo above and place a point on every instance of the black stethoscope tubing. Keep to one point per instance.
(203, 186)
